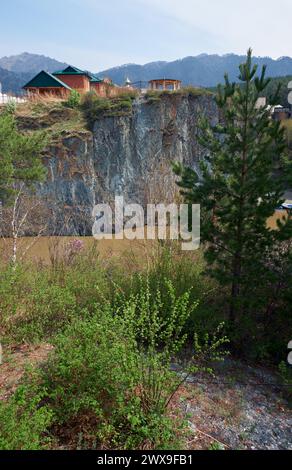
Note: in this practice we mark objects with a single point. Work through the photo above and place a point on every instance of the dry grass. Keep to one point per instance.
(51, 115)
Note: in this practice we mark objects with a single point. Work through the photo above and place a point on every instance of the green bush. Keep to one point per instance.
(24, 421)
(114, 366)
(73, 100)
(110, 372)
(286, 376)
(95, 107)
(186, 273)
(108, 365)
(42, 311)
(37, 302)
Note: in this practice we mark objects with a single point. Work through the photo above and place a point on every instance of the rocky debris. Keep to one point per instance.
(241, 408)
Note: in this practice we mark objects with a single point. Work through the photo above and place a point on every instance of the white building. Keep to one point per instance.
(5, 99)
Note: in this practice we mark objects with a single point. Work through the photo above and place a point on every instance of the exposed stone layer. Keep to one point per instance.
(120, 156)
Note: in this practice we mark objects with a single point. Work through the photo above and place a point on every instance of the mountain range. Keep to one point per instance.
(202, 70)
(17, 70)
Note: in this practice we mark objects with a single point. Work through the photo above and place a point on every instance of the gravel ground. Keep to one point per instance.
(242, 408)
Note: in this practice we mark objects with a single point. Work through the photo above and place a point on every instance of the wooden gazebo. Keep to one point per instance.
(165, 84)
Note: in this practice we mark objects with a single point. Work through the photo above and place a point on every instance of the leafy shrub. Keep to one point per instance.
(153, 96)
(115, 367)
(32, 307)
(10, 107)
(286, 375)
(193, 91)
(95, 106)
(24, 421)
(73, 100)
(186, 273)
(49, 308)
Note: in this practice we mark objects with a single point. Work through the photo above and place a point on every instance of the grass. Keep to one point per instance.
(114, 333)
(110, 328)
(52, 115)
(95, 107)
(153, 96)
(57, 118)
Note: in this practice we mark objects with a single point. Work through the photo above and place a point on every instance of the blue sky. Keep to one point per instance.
(96, 34)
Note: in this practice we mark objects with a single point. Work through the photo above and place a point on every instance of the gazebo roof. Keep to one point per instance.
(165, 80)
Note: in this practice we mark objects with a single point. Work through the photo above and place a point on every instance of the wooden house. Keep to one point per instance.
(60, 83)
(76, 79)
(45, 83)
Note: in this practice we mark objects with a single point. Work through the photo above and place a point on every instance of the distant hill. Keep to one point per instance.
(30, 63)
(203, 70)
(17, 70)
(13, 82)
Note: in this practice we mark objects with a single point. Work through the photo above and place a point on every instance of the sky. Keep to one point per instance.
(99, 34)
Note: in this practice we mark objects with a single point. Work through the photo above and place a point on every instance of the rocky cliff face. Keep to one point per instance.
(120, 157)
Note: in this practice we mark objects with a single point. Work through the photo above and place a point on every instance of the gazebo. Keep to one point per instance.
(165, 84)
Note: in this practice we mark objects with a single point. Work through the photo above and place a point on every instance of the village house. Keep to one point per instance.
(277, 112)
(62, 82)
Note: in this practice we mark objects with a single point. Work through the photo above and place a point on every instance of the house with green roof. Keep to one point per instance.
(45, 83)
(61, 82)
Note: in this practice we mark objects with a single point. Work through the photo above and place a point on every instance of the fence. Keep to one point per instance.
(6, 99)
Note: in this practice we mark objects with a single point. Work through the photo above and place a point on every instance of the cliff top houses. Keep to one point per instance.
(60, 83)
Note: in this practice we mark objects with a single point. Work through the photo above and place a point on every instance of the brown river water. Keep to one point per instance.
(43, 247)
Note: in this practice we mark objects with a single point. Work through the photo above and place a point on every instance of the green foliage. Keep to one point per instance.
(24, 420)
(32, 307)
(285, 371)
(193, 92)
(154, 96)
(19, 156)
(94, 107)
(216, 446)
(114, 366)
(38, 301)
(239, 192)
(278, 86)
(10, 108)
(73, 100)
(186, 274)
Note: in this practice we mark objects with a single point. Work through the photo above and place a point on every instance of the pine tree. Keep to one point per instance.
(238, 190)
(20, 160)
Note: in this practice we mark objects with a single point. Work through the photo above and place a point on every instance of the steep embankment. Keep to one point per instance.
(121, 155)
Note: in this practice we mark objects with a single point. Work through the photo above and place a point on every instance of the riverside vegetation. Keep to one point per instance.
(122, 332)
